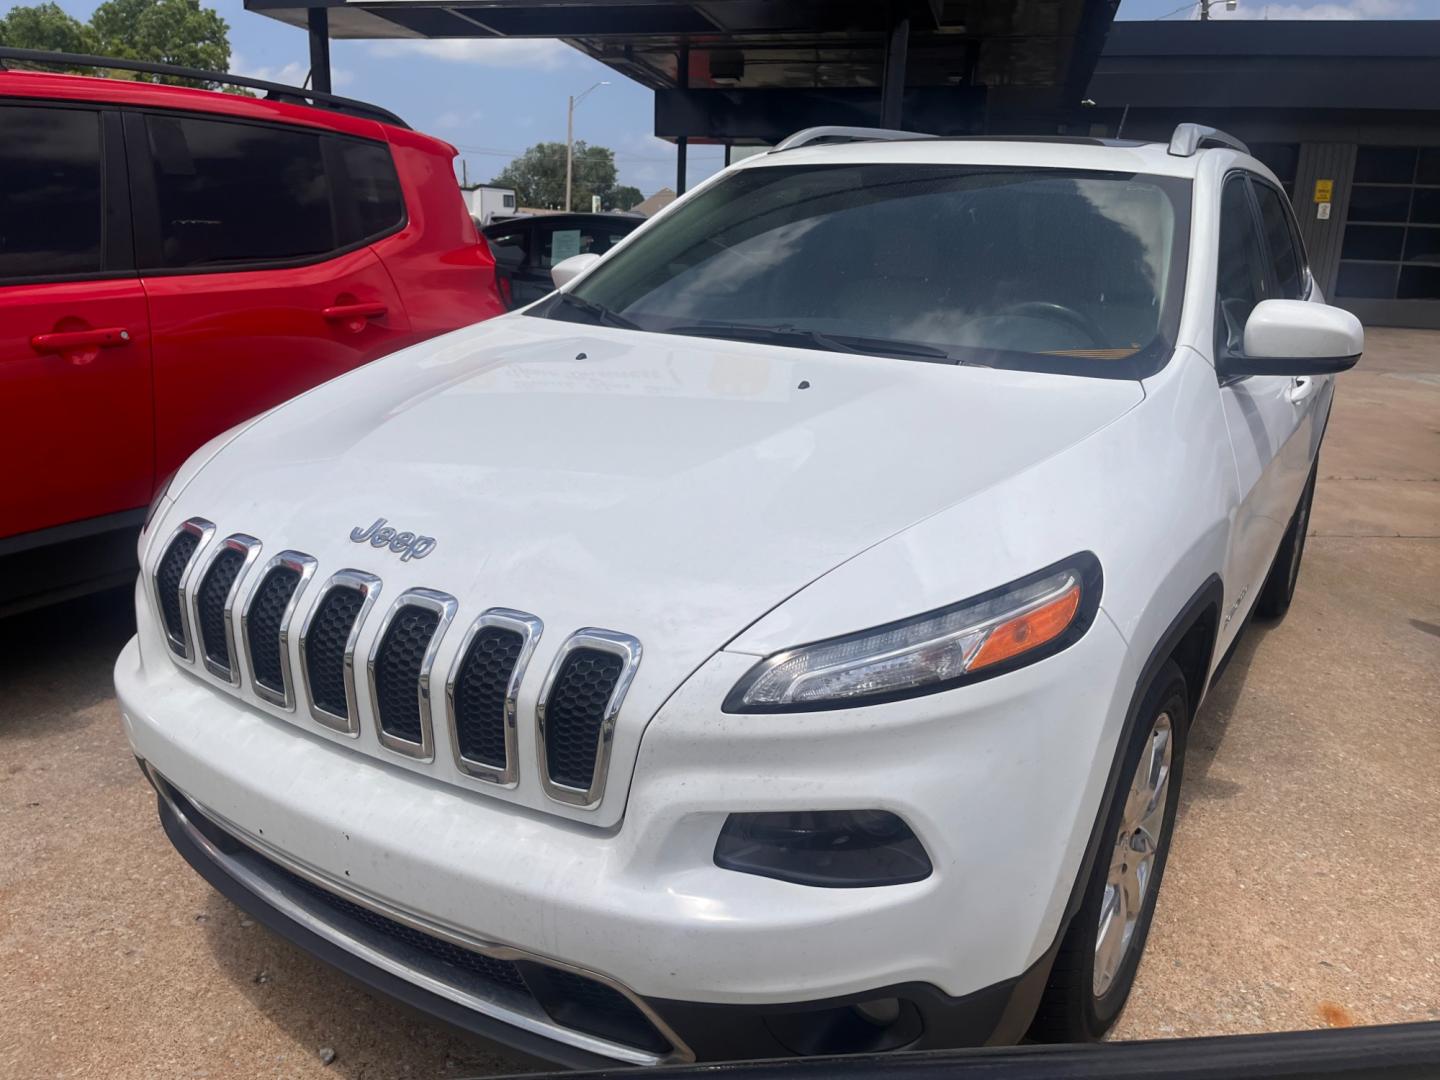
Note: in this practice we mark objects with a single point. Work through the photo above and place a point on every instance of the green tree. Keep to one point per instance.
(538, 176)
(45, 26)
(163, 31)
(625, 197)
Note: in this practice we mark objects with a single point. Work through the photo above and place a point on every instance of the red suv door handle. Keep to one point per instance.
(109, 337)
(347, 312)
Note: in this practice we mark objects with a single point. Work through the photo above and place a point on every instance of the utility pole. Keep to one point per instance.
(570, 139)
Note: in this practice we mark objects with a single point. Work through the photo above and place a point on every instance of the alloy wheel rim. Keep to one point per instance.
(1132, 859)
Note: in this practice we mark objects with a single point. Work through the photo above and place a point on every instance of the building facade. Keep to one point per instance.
(1347, 114)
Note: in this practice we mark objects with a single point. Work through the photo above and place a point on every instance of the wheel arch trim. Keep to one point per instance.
(1209, 599)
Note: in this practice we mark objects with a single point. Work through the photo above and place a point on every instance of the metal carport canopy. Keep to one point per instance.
(753, 71)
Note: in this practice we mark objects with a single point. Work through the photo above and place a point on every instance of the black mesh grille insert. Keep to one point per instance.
(480, 688)
(167, 584)
(325, 648)
(266, 611)
(487, 968)
(397, 670)
(574, 1001)
(574, 712)
(210, 599)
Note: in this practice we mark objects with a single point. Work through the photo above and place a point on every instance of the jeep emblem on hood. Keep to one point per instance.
(405, 544)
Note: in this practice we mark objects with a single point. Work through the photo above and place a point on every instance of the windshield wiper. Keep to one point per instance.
(800, 337)
(599, 312)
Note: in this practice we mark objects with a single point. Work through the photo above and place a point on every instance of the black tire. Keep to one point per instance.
(1071, 1010)
(1279, 587)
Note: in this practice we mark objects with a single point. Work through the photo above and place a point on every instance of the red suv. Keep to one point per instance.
(174, 261)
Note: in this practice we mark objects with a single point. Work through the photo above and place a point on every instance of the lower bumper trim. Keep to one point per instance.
(928, 1018)
(493, 1004)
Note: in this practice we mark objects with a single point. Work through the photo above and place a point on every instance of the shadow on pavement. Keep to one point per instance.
(1210, 724)
(55, 662)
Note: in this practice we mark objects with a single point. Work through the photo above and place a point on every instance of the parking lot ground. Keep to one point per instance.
(1303, 888)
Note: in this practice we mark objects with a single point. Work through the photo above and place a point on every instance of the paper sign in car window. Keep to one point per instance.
(563, 244)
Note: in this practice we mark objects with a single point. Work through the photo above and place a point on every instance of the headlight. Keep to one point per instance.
(978, 638)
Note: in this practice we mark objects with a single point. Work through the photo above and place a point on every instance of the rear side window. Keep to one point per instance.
(234, 193)
(50, 192)
(368, 187)
(1287, 258)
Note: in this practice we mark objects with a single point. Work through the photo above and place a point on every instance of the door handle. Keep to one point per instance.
(348, 312)
(109, 337)
(1301, 388)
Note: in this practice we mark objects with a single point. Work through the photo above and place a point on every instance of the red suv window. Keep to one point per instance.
(50, 214)
(237, 193)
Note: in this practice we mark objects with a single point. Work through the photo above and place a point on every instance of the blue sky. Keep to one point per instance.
(492, 99)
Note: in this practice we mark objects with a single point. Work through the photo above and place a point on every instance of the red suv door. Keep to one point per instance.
(75, 407)
(254, 246)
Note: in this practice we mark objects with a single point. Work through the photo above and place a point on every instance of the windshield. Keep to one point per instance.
(1016, 267)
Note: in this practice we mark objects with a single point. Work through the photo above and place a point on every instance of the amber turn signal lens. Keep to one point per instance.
(1025, 632)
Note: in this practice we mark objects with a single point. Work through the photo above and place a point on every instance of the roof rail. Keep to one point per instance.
(1191, 137)
(295, 95)
(829, 134)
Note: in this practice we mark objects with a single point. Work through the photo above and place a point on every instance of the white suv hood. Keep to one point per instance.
(670, 488)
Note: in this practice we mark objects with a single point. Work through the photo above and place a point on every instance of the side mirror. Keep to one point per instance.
(567, 270)
(1296, 337)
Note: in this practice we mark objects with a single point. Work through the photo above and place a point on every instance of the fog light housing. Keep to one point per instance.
(835, 849)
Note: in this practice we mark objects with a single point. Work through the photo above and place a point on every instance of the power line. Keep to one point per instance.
(1178, 10)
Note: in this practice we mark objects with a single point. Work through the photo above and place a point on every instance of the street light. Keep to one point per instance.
(570, 137)
(1230, 5)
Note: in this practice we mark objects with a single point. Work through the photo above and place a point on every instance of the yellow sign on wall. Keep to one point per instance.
(1323, 190)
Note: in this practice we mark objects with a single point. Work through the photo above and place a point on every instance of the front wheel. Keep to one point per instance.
(1100, 953)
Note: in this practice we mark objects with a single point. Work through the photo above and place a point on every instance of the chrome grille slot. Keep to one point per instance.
(210, 602)
(265, 625)
(327, 647)
(482, 689)
(576, 714)
(171, 577)
(214, 601)
(400, 666)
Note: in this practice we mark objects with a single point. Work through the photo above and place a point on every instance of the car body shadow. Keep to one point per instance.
(56, 662)
(1212, 721)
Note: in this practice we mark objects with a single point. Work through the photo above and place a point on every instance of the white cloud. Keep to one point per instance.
(452, 119)
(1349, 9)
(292, 74)
(543, 53)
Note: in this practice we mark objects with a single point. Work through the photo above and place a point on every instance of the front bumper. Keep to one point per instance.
(414, 963)
(1001, 782)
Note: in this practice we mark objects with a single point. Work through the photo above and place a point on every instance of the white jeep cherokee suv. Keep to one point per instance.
(780, 640)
